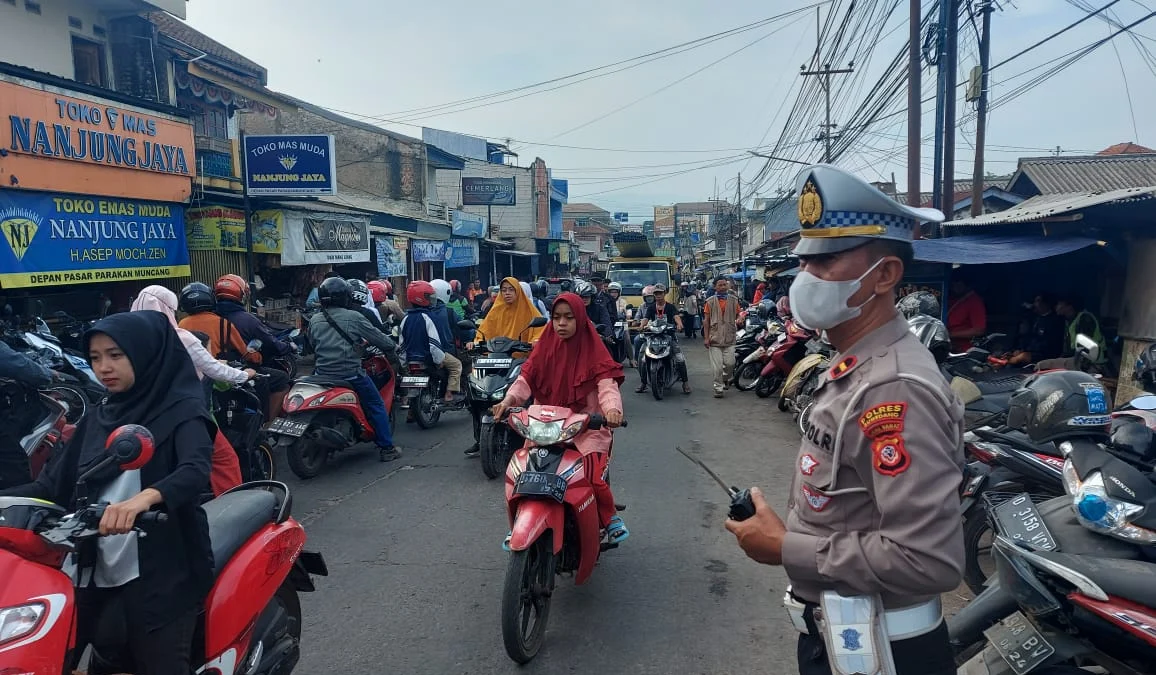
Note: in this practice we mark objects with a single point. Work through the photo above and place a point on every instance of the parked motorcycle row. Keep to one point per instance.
(1061, 538)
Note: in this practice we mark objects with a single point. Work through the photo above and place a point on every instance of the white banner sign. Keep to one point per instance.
(324, 239)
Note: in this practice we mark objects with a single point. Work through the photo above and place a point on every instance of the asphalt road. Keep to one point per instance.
(416, 564)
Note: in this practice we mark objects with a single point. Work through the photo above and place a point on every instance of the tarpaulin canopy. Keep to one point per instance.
(987, 249)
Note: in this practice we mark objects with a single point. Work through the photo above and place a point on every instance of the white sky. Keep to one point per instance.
(381, 58)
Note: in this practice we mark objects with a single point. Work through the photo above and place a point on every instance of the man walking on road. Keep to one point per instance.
(719, 314)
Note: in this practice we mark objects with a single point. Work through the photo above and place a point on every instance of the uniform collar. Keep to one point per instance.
(873, 344)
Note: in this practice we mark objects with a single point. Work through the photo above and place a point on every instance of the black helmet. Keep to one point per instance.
(359, 291)
(919, 302)
(585, 289)
(1060, 404)
(540, 288)
(1132, 436)
(197, 298)
(335, 292)
(766, 309)
(1146, 366)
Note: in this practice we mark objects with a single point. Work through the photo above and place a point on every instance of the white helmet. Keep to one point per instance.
(526, 288)
(441, 290)
(614, 286)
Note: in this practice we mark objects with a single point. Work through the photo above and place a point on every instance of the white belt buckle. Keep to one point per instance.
(909, 622)
(795, 610)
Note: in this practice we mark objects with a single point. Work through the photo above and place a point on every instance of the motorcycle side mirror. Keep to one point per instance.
(1145, 402)
(131, 446)
(254, 346)
(1087, 347)
(538, 322)
(466, 324)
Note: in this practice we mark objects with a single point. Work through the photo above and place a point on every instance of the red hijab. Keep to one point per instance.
(564, 372)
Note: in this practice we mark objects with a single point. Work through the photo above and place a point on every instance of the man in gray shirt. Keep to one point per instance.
(337, 347)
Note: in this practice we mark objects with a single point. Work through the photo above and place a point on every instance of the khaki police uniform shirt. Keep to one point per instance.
(874, 505)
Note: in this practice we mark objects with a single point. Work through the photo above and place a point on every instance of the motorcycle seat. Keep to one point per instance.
(1000, 385)
(233, 518)
(1128, 579)
(322, 381)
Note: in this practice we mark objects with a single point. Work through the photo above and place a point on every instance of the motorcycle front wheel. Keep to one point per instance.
(768, 385)
(657, 382)
(491, 441)
(526, 599)
(747, 375)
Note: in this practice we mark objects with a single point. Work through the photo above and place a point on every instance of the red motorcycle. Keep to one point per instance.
(553, 520)
(251, 621)
(49, 433)
(323, 415)
(790, 347)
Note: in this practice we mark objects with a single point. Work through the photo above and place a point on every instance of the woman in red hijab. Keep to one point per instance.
(570, 367)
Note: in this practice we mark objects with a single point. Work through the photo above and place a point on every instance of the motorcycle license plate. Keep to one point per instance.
(493, 363)
(1018, 519)
(288, 427)
(1019, 643)
(539, 484)
(414, 381)
(619, 324)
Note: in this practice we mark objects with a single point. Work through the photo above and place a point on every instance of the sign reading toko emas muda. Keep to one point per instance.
(290, 165)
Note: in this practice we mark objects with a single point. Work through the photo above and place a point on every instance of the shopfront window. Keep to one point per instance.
(88, 62)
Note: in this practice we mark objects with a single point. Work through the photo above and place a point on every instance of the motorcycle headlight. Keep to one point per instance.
(1099, 512)
(21, 621)
(545, 433)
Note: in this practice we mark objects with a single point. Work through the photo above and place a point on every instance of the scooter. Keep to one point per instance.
(241, 418)
(322, 416)
(494, 370)
(788, 350)
(48, 435)
(80, 387)
(799, 388)
(752, 353)
(657, 363)
(251, 621)
(553, 521)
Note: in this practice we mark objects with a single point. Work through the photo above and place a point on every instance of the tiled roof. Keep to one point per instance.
(1128, 148)
(583, 207)
(1093, 173)
(178, 30)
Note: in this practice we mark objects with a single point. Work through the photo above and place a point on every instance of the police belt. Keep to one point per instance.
(901, 624)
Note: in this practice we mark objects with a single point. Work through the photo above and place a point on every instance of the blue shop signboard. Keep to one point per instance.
(290, 165)
(489, 192)
(467, 224)
(59, 239)
(426, 250)
(462, 253)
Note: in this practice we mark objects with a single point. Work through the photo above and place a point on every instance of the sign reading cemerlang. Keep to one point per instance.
(290, 165)
(59, 239)
(489, 192)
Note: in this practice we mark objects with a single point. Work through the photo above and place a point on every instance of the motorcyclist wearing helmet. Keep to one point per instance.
(363, 303)
(422, 341)
(225, 341)
(382, 292)
(444, 317)
(597, 313)
(458, 302)
(230, 292)
(602, 297)
(488, 303)
(653, 310)
(614, 290)
(688, 307)
(338, 332)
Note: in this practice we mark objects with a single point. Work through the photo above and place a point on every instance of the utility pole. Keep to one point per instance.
(825, 73)
(950, 71)
(985, 11)
(914, 103)
(742, 263)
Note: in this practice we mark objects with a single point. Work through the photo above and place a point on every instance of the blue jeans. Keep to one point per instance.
(374, 408)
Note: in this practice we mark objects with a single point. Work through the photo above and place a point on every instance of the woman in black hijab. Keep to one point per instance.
(158, 581)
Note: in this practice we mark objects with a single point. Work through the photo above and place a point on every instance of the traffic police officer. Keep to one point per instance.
(874, 505)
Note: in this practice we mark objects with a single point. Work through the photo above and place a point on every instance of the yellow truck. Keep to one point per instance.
(636, 267)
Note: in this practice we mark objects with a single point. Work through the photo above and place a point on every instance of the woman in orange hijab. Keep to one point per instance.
(510, 315)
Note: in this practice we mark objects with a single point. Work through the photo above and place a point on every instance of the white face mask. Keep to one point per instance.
(819, 304)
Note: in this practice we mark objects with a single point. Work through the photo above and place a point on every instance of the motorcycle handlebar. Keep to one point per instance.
(598, 421)
(150, 517)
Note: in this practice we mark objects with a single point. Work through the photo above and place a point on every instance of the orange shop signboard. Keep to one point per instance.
(53, 142)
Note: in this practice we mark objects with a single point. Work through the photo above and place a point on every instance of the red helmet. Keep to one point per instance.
(783, 307)
(455, 286)
(420, 293)
(378, 291)
(388, 286)
(231, 287)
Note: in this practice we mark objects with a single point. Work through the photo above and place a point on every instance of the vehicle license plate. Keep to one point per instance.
(1018, 519)
(1019, 643)
(493, 363)
(541, 484)
(288, 427)
(414, 381)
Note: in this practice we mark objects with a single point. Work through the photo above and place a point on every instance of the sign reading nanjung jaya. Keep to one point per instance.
(287, 166)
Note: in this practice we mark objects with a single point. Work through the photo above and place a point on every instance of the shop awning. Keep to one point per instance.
(388, 223)
(497, 243)
(524, 254)
(1056, 207)
(986, 249)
